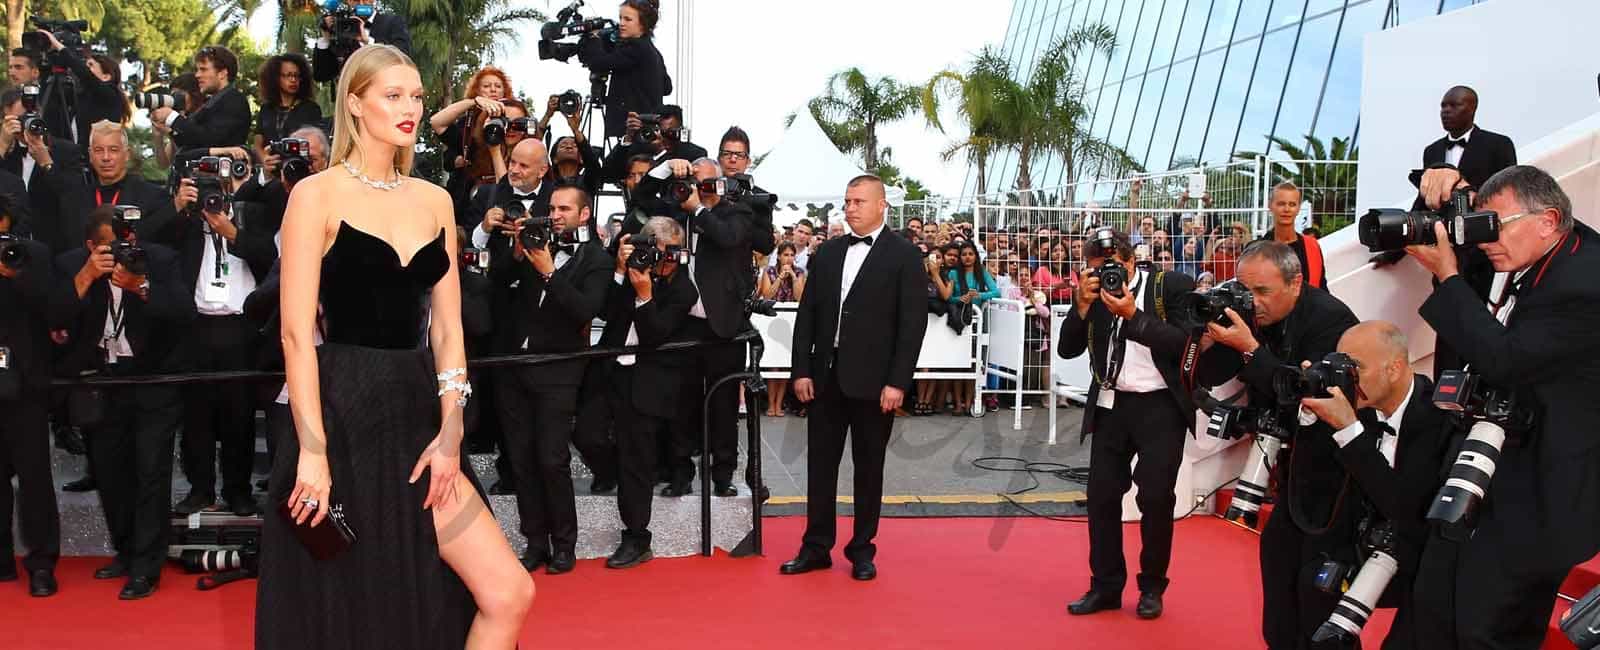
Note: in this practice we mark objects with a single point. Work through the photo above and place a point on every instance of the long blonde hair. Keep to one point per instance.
(358, 74)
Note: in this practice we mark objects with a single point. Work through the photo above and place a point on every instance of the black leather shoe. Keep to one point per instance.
(1092, 602)
(864, 570)
(41, 583)
(1149, 605)
(195, 502)
(244, 506)
(598, 486)
(561, 562)
(629, 555)
(137, 588)
(501, 489)
(725, 489)
(532, 560)
(677, 490)
(85, 484)
(111, 571)
(804, 564)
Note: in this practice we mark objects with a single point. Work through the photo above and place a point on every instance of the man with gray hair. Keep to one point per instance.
(1495, 586)
(109, 159)
(1293, 323)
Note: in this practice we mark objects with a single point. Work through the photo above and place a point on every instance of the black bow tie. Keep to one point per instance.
(859, 240)
(1456, 142)
(569, 249)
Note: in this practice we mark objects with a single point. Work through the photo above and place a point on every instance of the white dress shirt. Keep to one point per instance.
(1387, 445)
(480, 239)
(28, 163)
(220, 290)
(633, 332)
(699, 308)
(1139, 373)
(854, 257)
(114, 338)
(1452, 153)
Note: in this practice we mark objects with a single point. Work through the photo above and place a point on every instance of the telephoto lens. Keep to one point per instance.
(1469, 475)
(199, 561)
(1251, 489)
(1356, 605)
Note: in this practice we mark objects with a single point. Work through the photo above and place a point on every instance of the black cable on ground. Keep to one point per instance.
(1078, 475)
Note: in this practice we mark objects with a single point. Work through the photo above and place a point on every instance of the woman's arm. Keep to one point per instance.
(449, 114)
(993, 290)
(769, 288)
(304, 234)
(497, 157)
(442, 458)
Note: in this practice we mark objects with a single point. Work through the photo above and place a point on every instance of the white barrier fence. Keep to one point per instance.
(945, 354)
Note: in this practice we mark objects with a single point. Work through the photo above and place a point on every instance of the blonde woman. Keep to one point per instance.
(378, 412)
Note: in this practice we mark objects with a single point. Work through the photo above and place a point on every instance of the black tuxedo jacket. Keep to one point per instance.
(1403, 493)
(22, 219)
(1547, 353)
(657, 378)
(388, 29)
(882, 323)
(1165, 340)
(223, 121)
(24, 324)
(639, 78)
(273, 198)
(152, 200)
(54, 196)
(551, 316)
(154, 329)
(253, 244)
(720, 238)
(1487, 153)
(1310, 331)
(615, 167)
(497, 196)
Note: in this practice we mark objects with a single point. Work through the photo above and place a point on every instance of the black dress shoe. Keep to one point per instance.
(864, 570)
(561, 562)
(532, 560)
(85, 484)
(41, 583)
(1092, 602)
(677, 490)
(629, 555)
(111, 571)
(244, 506)
(598, 486)
(804, 564)
(195, 502)
(1149, 605)
(725, 489)
(137, 588)
(501, 489)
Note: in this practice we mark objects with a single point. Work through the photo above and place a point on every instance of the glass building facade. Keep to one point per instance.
(1194, 81)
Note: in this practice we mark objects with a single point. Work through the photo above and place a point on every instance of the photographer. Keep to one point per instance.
(27, 68)
(225, 251)
(1292, 323)
(110, 155)
(161, 134)
(556, 290)
(376, 28)
(270, 188)
(733, 153)
(1495, 587)
(1394, 449)
(224, 119)
(524, 183)
(98, 97)
(25, 281)
(120, 322)
(646, 307)
(719, 265)
(661, 140)
(287, 97)
(639, 78)
(48, 167)
(1141, 407)
(460, 128)
(641, 194)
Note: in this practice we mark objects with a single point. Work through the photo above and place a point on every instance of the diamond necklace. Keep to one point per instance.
(381, 185)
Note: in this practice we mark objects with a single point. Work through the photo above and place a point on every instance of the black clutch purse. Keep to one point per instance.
(326, 541)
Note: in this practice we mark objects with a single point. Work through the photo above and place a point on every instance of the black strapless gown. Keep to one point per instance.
(380, 410)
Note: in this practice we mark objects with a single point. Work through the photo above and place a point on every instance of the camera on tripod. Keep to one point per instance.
(127, 254)
(32, 122)
(646, 255)
(569, 22)
(1391, 230)
(1493, 413)
(348, 21)
(68, 32)
(294, 156)
(1293, 383)
(1194, 311)
(13, 253)
(1360, 586)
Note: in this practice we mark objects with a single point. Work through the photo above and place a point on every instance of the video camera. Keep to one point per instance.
(1293, 383)
(69, 32)
(1391, 230)
(13, 253)
(127, 254)
(295, 158)
(32, 122)
(174, 99)
(569, 22)
(1494, 412)
(646, 255)
(1360, 585)
(348, 21)
(1194, 311)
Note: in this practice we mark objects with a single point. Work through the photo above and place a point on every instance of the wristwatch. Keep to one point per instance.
(144, 289)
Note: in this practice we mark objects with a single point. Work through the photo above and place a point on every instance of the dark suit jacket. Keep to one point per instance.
(497, 196)
(154, 329)
(23, 322)
(1403, 493)
(153, 201)
(1166, 341)
(1309, 333)
(22, 219)
(253, 244)
(552, 316)
(97, 100)
(53, 196)
(638, 78)
(1487, 153)
(657, 378)
(1546, 492)
(721, 240)
(223, 121)
(882, 323)
(615, 167)
(388, 29)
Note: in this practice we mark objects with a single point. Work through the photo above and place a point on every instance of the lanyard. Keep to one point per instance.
(98, 201)
(220, 259)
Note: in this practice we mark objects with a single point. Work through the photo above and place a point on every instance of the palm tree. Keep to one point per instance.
(1326, 176)
(857, 105)
(975, 92)
(451, 38)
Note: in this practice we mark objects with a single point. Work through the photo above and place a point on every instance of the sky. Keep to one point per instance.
(753, 62)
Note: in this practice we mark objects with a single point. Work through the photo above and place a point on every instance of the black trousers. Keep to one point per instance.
(1150, 425)
(25, 454)
(1292, 607)
(832, 416)
(637, 437)
(708, 365)
(1483, 594)
(132, 459)
(538, 425)
(220, 411)
(596, 437)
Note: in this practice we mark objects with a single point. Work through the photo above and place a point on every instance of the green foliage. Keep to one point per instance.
(854, 106)
(1326, 175)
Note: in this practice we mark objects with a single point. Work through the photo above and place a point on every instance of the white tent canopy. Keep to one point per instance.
(805, 168)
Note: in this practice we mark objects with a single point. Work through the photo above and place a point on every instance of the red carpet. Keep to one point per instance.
(943, 583)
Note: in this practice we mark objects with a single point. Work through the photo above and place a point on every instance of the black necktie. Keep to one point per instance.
(859, 240)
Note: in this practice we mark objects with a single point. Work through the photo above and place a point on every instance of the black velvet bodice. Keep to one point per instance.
(371, 299)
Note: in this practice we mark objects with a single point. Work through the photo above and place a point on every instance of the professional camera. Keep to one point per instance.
(742, 188)
(650, 130)
(760, 306)
(348, 20)
(294, 155)
(13, 253)
(1195, 310)
(646, 256)
(1392, 230)
(1113, 277)
(246, 557)
(218, 166)
(1293, 383)
(494, 131)
(519, 125)
(174, 99)
(680, 189)
(569, 22)
(569, 103)
(1493, 412)
(540, 232)
(1229, 420)
(1361, 586)
(126, 253)
(69, 32)
(475, 259)
(32, 122)
(1581, 624)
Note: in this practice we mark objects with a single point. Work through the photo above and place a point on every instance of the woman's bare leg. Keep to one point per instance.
(775, 391)
(471, 543)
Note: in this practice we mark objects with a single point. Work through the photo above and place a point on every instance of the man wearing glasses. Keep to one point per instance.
(734, 156)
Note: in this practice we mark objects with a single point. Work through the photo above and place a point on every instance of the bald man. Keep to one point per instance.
(1392, 443)
(523, 183)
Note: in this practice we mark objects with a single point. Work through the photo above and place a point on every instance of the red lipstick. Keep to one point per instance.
(407, 126)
